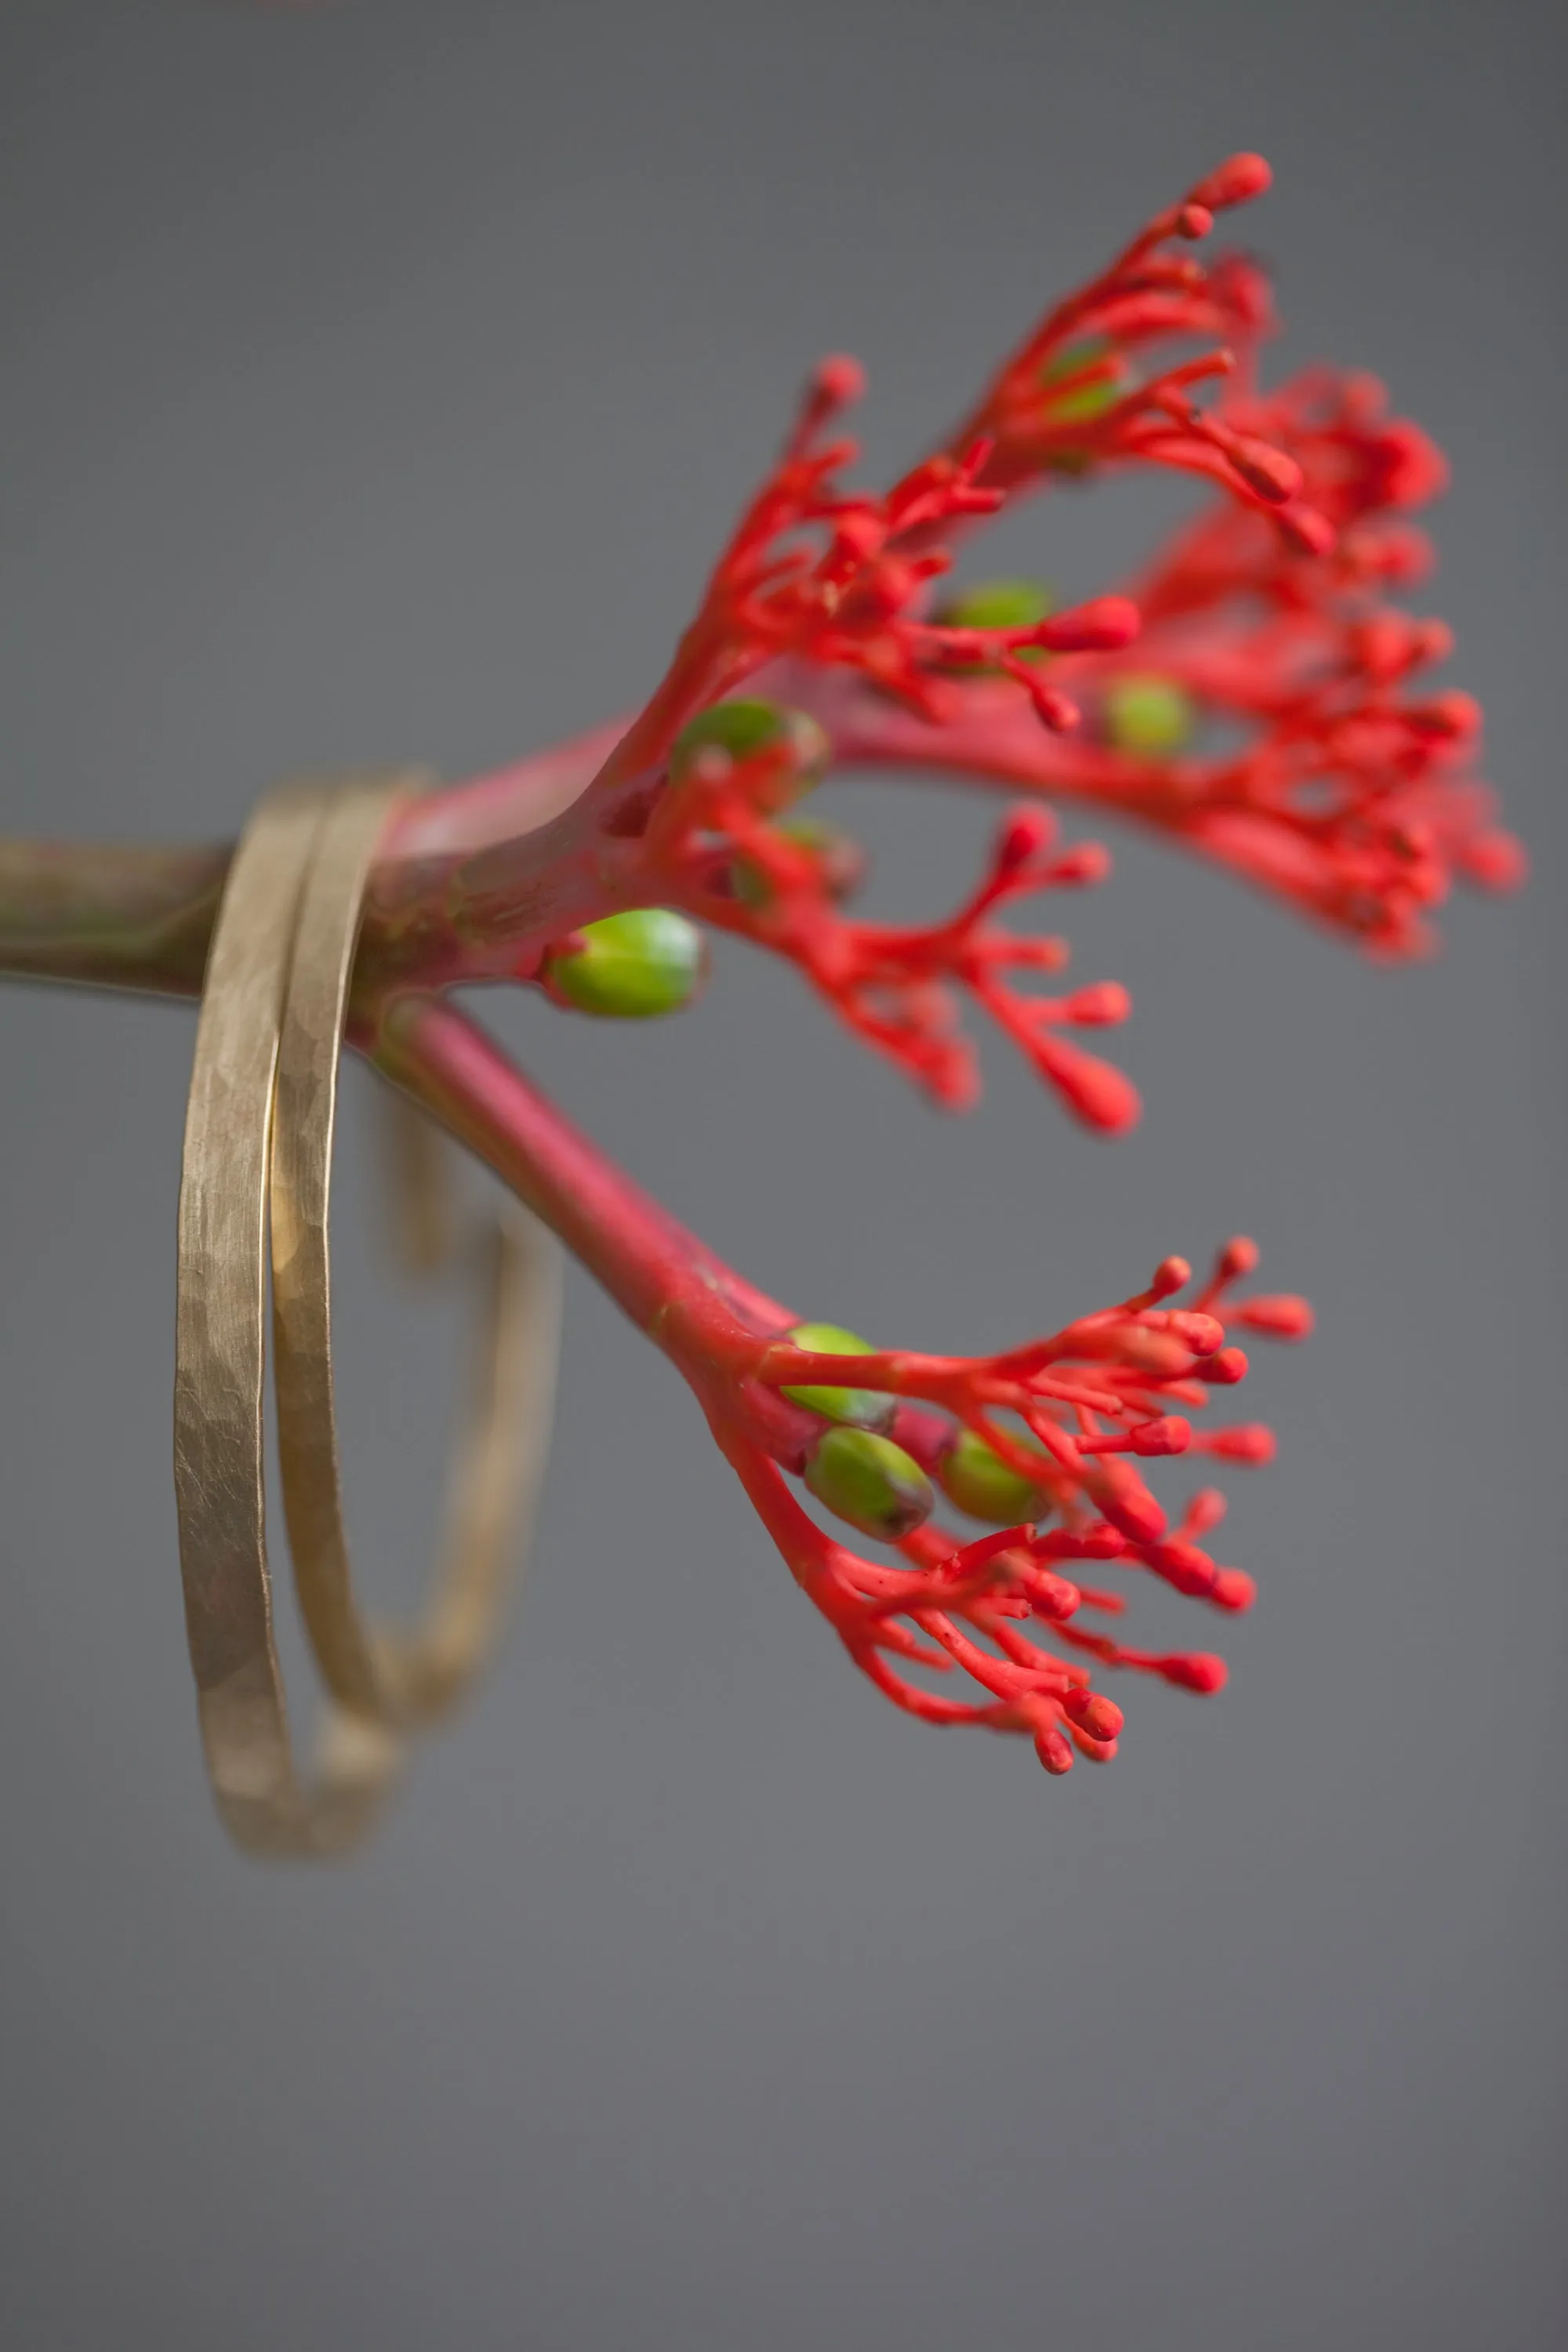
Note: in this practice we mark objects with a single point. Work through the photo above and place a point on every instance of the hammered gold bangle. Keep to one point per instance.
(259, 1137)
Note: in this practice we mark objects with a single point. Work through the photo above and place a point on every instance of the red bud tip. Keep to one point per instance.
(1184, 1565)
(1312, 532)
(1194, 1670)
(1169, 1434)
(1100, 1096)
(1054, 1752)
(1058, 1598)
(838, 381)
(1251, 1442)
(1098, 1751)
(1238, 1257)
(1283, 1318)
(1495, 861)
(1083, 868)
(1103, 626)
(1226, 1368)
(1054, 708)
(1171, 1274)
(1204, 1334)
(1264, 470)
(1099, 1006)
(1194, 221)
(1100, 1717)
(1205, 1510)
(1127, 1505)
(1452, 717)
(1236, 181)
(1027, 834)
(1234, 1589)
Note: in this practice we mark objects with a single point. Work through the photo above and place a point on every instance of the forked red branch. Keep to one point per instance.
(1252, 693)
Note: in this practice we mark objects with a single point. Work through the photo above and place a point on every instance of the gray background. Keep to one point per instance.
(379, 382)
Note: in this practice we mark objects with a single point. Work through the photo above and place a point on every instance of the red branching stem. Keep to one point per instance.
(1095, 1395)
(1253, 693)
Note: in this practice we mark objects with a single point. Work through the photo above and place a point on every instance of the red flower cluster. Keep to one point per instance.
(1253, 694)
(719, 851)
(1095, 1398)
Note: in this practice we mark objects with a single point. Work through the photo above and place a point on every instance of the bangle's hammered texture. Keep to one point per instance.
(259, 1136)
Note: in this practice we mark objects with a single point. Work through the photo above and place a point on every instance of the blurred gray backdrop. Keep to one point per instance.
(380, 378)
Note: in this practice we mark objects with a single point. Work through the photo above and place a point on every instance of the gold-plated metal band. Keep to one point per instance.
(408, 1677)
(258, 1133)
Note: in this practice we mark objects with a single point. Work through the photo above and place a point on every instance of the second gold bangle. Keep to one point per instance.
(259, 1136)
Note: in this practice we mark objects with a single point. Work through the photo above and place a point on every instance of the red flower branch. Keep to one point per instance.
(1071, 1415)
(1253, 693)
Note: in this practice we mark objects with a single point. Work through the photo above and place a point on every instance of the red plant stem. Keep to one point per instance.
(670, 1285)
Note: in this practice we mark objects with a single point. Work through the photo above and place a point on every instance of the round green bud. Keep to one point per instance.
(865, 1408)
(1087, 400)
(997, 604)
(740, 728)
(839, 862)
(870, 1482)
(631, 967)
(974, 1476)
(1149, 715)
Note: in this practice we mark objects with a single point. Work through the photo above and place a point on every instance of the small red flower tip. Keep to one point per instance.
(1267, 470)
(1083, 868)
(1238, 1259)
(1100, 1006)
(1282, 1317)
(1194, 1670)
(1104, 625)
(1095, 1751)
(1249, 1440)
(1170, 1433)
(1204, 1334)
(838, 381)
(1234, 1591)
(1106, 1101)
(1172, 1274)
(1184, 1565)
(1128, 1505)
(1236, 181)
(1495, 861)
(1054, 1752)
(1206, 1509)
(1224, 1370)
(1025, 836)
(1101, 1719)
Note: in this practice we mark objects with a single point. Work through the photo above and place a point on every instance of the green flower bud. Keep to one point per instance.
(1149, 715)
(865, 1408)
(839, 862)
(997, 604)
(974, 1476)
(738, 729)
(631, 967)
(1087, 400)
(870, 1482)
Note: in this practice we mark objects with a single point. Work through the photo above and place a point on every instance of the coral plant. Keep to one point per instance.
(1252, 693)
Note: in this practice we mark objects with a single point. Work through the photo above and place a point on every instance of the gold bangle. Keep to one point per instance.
(259, 1129)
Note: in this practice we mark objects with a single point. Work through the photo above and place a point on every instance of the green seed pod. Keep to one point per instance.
(1149, 715)
(1088, 401)
(841, 863)
(738, 729)
(865, 1407)
(631, 967)
(870, 1482)
(974, 1476)
(997, 604)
